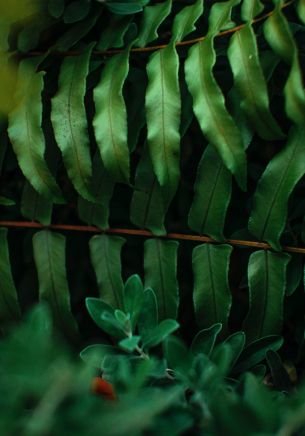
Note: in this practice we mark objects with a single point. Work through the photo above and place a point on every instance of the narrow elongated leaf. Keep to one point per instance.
(267, 280)
(26, 134)
(133, 298)
(295, 270)
(110, 120)
(220, 16)
(279, 374)
(111, 39)
(280, 38)
(70, 123)
(301, 10)
(268, 217)
(4, 201)
(163, 109)
(212, 297)
(49, 256)
(105, 254)
(237, 342)
(209, 108)
(184, 22)
(9, 306)
(212, 196)
(153, 16)
(149, 201)
(160, 266)
(97, 213)
(34, 206)
(250, 83)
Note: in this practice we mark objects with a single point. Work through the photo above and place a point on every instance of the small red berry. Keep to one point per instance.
(103, 388)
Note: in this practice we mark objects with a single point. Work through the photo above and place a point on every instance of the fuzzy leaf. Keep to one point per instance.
(268, 217)
(163, 109)
(49, 256)
(133, 298)
(212, 297)
(26, 134)
(70, 123)
(148, 318)
(153, 17)
(205, 340)
(212, 193)
(110, 120)
(250, 83)
(155, 336)
(9, 306)
(160, 266)
(105, 254)
(267, 280)
(97, 309)
(209, 107)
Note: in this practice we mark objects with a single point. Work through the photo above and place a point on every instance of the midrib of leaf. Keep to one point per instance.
(162, 280)
(212, 110)
(110, 276)
(279, 185)
(220, 168)
(70, 126)
(115, 146)
(163, 118)
(212, 284)
(250, 88)
(265, 294)
(150, 194)
(32, 152)
(54, 299)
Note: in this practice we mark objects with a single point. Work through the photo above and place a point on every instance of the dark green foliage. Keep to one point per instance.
(182, 148)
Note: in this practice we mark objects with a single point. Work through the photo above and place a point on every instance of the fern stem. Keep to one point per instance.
(146, 233)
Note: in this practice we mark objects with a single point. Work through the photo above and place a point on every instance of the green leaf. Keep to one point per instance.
(26, 134)
(95, 354)
(222, 357)
(294, 273)
(4, 201)
(96, 308)
(149, 202)
(212, 193)
(36, 207)
(267, 280)
(9, 306)
(70, 123)
(251, 84)
(301, 10)
(153, 17)
(250, 9)
(184, 22)
(160, 266)
(121, 8)
(129, 344)
(76, 11)
(111, 39)
(163, 109)
(220, 16)
(268, 217)
(279, 36)
(110, 120)
(279, 374)
(49, 256)
(177, 355)
(105, 254)
(255, 352)
(133, 298)
(158, 334)
(237, 342)
(209, 107)
(56, 7)
(148, 318)
(205, 340)
(135, 102)
(212, 297)
(97, 213)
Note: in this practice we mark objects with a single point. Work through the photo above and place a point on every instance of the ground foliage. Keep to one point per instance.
(98, 127)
